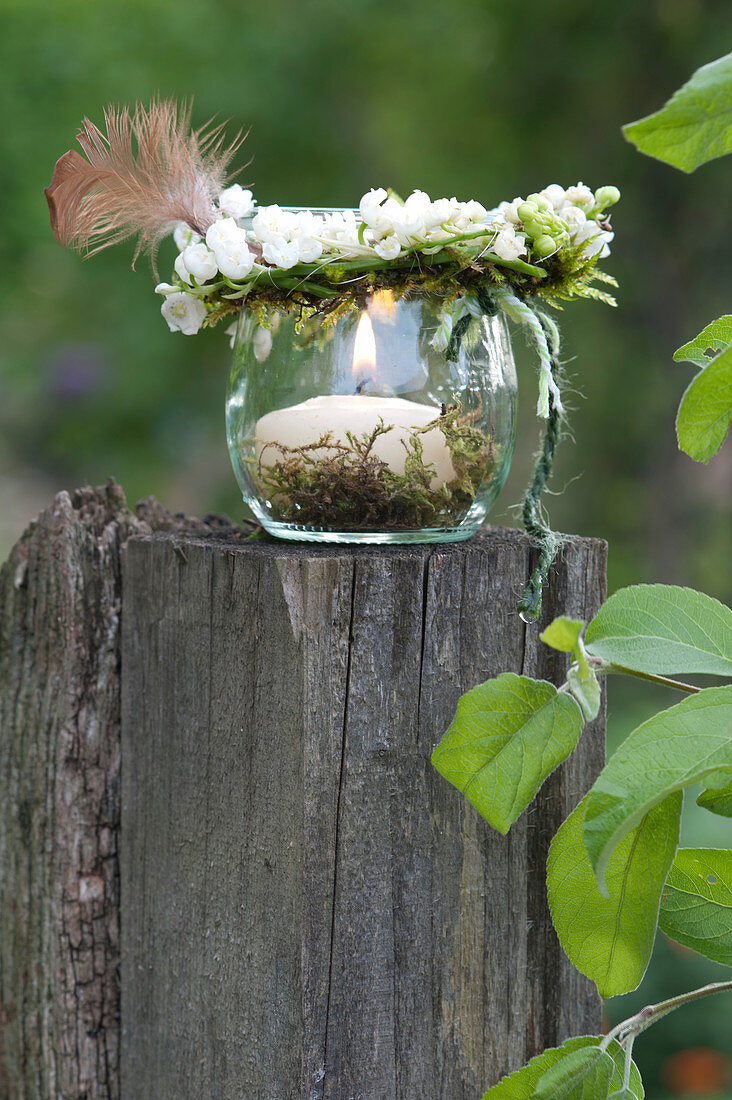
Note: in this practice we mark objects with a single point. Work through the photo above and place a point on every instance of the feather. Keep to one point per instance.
(148, 172)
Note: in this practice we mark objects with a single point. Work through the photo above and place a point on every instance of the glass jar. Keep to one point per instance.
(358, 430)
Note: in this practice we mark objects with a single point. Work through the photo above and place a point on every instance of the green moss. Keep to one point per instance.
(348, 487)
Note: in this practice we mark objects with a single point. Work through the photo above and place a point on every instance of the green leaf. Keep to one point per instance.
(717, 799)
(508, 735)
(610, 939)
(521, 1084)
(696, 909)
(695, 125)
(715, 337)
(663, 629)
(563, 634)
(582, 1075)
(673, 749)
(705, 411)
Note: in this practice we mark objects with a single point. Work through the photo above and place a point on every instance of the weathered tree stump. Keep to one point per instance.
(308, 910)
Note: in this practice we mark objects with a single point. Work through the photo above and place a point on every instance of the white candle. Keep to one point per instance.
(338, 414)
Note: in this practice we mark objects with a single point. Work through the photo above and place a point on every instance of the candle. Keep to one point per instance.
(338, 414)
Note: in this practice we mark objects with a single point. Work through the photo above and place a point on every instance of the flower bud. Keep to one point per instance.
(606, 196)
(545, 245)
(533, 228)
(527, 211)
(540, 201)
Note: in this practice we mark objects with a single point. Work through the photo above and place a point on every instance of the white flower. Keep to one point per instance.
(574, 218)
(580, 196)
(166, 288)
(262, 343)
(441, 210)
(198, 261)
(388, 248)
(509, 210)
(183, 235)
(306, 224)
(342, 230)
(370, 204)
(183, 313)
(460, 218)
(468, 216)
(180, 268)
(309, 249)
(236, 202)
(272, 221)
(598, 241)
(555, 195)
(509, 245)
(234, 259)
(431, 214)
(225, 229)
(475, 211)
(281, 252)
(378, 211)
(406, 224)
(230, 246)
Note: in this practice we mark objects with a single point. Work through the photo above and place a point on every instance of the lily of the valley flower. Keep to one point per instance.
(198, 262)
(388, 247)
(183, 235)
(230, 247)
(509, 244)
(184, 313)
(580, 195)
(236, 202)
(555, 195)
(281, 252)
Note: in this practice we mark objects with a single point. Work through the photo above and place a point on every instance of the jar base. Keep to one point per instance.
(294, 533)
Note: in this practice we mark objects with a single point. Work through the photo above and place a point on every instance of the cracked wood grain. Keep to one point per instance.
(60, 598)
(60, 595)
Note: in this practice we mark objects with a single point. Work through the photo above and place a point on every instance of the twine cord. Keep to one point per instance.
(540, 328)
(544, 335)
(547, 541)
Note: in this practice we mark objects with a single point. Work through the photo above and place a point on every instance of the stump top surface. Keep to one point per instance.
(232, 539)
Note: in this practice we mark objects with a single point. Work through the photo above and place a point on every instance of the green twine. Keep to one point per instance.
(547, 542)
(452, 352)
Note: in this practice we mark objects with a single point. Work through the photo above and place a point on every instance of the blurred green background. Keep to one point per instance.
(479, 98)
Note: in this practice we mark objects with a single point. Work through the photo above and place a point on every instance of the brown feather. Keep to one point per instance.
(145, 174)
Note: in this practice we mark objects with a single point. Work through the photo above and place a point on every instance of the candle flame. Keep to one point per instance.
(364, 349)
(382, 305)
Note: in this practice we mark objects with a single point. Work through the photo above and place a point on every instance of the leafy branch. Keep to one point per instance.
(592, 1067)
(614, 871)
(694, 127)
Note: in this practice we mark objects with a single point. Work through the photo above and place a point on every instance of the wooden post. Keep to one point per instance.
(60, 594)
(308, 909)
(60, 602)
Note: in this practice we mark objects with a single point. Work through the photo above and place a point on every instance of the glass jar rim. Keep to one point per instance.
(317, 210)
